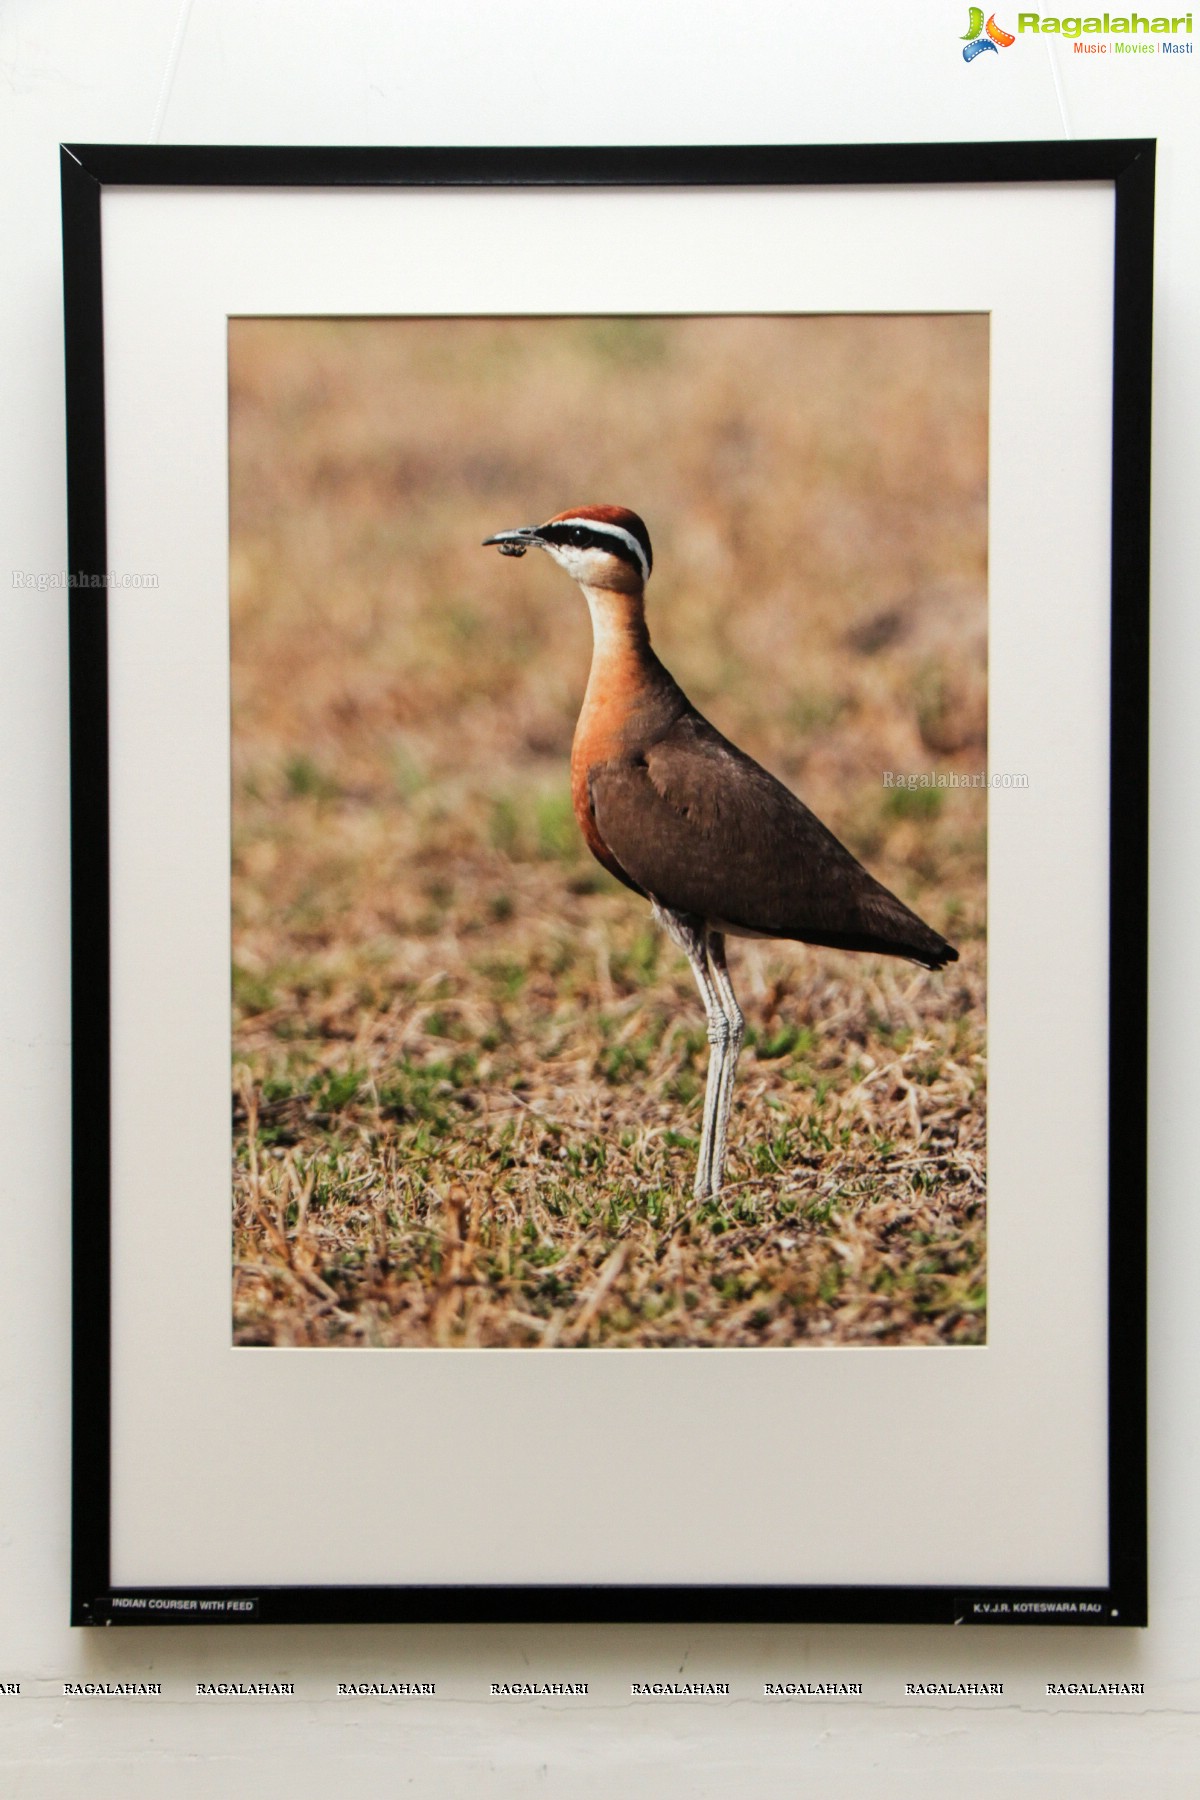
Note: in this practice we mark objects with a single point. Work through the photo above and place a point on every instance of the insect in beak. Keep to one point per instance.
(514, 543)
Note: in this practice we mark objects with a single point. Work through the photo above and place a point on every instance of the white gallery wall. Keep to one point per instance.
(528, 71)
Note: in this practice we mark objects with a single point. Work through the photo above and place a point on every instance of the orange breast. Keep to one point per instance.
(599, 738)
(630, 701)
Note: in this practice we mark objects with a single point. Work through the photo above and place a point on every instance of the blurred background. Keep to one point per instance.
(467, 1069)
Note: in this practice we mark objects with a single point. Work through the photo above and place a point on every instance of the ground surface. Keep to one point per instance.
(467, 1071)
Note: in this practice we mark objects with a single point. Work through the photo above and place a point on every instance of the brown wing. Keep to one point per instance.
(703, 829)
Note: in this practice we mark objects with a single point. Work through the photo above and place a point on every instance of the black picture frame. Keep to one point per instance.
(87, 170)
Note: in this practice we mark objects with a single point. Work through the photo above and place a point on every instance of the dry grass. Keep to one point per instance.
(468, 1072)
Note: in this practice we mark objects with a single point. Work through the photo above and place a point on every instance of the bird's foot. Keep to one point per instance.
(709, 1183)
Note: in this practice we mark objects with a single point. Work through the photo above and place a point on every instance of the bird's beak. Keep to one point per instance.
(515, 543)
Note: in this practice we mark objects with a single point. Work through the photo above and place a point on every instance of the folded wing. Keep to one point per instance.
(704, 829)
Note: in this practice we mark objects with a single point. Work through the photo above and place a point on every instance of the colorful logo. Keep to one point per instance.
(974, 40)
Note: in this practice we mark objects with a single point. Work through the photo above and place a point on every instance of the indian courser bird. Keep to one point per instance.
(683, 817)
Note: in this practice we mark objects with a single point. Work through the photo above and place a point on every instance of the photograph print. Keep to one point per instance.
(609, 737)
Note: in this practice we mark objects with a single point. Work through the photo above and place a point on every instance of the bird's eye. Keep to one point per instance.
(578, 535)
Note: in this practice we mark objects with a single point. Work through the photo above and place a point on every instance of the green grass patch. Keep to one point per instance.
(307, 780)
(788, 1040)
(557, 833)
(912, 803)
(252, 992)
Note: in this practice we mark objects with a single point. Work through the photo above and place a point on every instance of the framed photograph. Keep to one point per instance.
(609, 729)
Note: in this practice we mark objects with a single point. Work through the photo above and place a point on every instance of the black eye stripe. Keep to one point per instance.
(585, 537)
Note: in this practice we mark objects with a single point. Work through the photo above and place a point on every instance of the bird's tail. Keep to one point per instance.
(938, 957)
(897, 931)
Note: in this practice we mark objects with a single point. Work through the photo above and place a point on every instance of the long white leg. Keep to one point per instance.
(707, 1181)
(736, 1026)
(692, 938)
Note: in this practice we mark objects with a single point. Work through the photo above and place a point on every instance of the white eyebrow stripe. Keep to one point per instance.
(626, 537)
